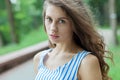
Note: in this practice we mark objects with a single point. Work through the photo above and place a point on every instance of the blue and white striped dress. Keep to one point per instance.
(66, 72)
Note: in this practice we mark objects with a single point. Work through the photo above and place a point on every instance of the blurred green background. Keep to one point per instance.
(21, 26)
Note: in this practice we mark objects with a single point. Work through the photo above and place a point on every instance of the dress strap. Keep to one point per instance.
(77, 62)
(81, 56)
(42, 54)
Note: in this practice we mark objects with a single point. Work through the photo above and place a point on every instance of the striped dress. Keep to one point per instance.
(66, 72)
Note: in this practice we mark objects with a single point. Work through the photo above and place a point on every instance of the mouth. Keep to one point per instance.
(54, 36)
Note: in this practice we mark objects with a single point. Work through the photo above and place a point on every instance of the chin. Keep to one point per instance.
(55, 41)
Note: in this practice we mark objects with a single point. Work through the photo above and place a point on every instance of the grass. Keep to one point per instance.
(32, 38)
(115, 68)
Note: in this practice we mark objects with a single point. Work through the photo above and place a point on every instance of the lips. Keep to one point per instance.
(54, 36)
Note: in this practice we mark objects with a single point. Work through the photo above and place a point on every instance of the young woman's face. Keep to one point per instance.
(58, 25)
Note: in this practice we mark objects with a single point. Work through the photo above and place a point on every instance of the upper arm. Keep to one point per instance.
(90, 68)
(36, 60)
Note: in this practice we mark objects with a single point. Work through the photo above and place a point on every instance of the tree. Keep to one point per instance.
(113, 21)
(97, 7)
(1, 43)
(11, 21)
(117, 3)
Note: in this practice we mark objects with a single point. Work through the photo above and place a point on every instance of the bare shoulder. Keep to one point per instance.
(90, 59)
(90, 68)
(37, 57)
(36, 60)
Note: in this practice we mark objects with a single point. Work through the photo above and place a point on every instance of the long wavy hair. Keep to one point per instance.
(84, 33)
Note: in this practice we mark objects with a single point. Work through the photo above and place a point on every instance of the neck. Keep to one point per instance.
(66, 48)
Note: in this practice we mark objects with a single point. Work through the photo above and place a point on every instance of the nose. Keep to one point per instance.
(53, 27)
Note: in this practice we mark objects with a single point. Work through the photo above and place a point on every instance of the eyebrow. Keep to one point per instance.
(64, 18)
(60, 17)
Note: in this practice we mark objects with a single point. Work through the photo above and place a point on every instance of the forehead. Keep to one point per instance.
(55, 11)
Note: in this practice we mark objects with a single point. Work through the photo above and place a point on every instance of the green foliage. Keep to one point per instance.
(2, 4)
(3, 18)
(4, 27)
(27, 15)
(97, 7)
(28, 40)
(38, 4)
(5, 32)
(118, 10)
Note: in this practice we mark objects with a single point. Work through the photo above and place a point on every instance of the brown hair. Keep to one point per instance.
(84, 33)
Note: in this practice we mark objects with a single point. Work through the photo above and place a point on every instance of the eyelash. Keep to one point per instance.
(49, 19)
(59, 21)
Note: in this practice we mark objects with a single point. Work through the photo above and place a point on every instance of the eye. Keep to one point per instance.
(61, 21)
(48, 19)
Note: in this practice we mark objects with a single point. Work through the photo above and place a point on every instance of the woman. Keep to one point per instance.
(77, 50)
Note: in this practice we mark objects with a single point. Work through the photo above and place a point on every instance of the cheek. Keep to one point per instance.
(47, 29)
(67, 32)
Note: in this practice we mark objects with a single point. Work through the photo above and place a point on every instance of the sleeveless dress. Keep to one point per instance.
(67, 71)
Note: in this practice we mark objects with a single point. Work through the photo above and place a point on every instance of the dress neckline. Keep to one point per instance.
(53, 70)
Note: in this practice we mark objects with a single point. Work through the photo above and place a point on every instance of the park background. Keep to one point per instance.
(21, 26)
